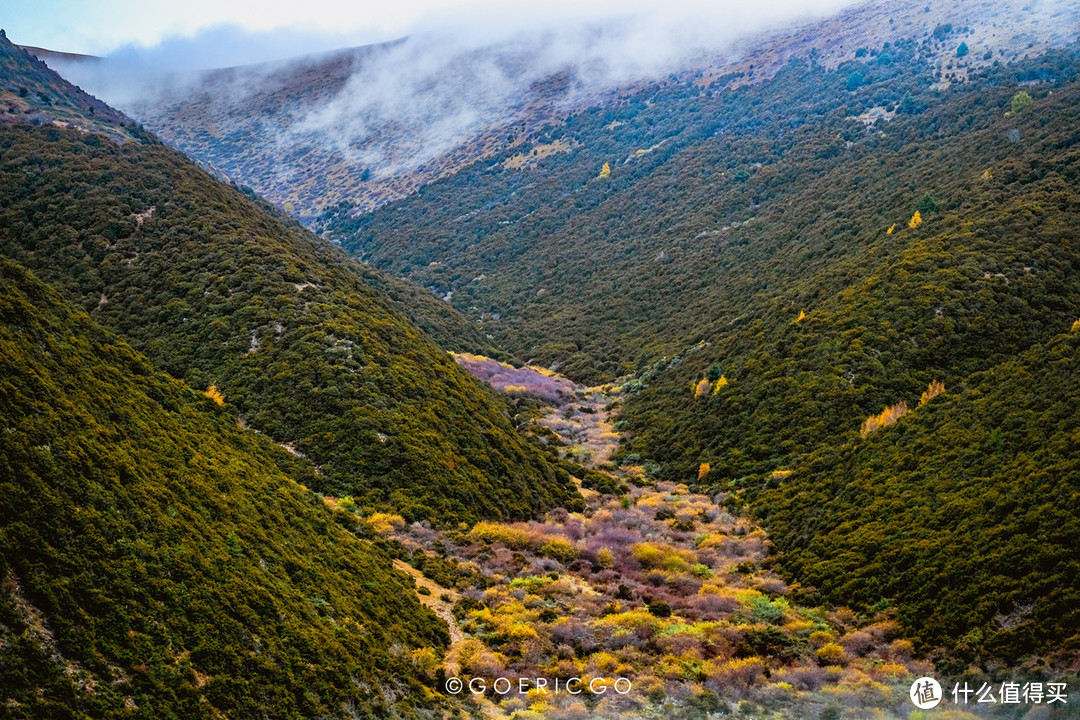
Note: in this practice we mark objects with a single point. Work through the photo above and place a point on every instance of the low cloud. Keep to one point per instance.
(456, 71)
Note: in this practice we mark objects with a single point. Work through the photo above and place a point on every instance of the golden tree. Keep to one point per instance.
(214, 394)
(932, 391)
(916, 220)
(605, 171)
(886, 417)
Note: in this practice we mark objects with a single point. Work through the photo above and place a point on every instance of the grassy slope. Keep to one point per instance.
(157, 561)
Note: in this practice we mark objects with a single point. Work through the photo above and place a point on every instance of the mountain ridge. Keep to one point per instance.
(269, 131)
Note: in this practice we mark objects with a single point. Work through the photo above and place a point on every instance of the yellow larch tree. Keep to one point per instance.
(934, 389)
(916, 220)
(214, 394)
(886, 417)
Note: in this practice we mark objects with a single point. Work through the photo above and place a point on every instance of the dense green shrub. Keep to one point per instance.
(158, 561)
(217, 290)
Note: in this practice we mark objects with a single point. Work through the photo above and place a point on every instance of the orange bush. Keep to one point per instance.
(831, 654)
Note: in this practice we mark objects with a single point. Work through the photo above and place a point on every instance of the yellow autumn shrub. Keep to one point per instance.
(660, 556)
(886, 417)
(509, 535)
(831, 654)
(934, 389)
(559, 548)
(214, 394)
(385, 523)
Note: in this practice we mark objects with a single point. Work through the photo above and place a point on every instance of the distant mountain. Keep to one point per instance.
(221, 291)
(300, 132)
(157, 560)
(351, 130)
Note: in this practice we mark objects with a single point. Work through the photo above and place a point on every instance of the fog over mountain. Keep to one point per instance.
(454, 74)
(376, 122)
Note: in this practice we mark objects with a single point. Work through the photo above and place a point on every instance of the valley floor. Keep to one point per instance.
(657, 585)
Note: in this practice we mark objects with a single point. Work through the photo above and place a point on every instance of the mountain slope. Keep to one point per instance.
(155, 560)
(704, 188)
(979, 484)
(219, 291)
(757, 267)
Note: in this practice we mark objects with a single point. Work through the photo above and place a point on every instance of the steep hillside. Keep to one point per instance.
(605, 274)
(434, 315)
(979, 483)
(218, 290)
(158, 561)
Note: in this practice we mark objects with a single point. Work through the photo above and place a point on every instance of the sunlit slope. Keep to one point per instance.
(158, 561)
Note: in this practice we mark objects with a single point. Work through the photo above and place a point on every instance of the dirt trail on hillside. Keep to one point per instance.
(442, 608)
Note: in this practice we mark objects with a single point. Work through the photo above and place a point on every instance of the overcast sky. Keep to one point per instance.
(250, 30)
(101, 26)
